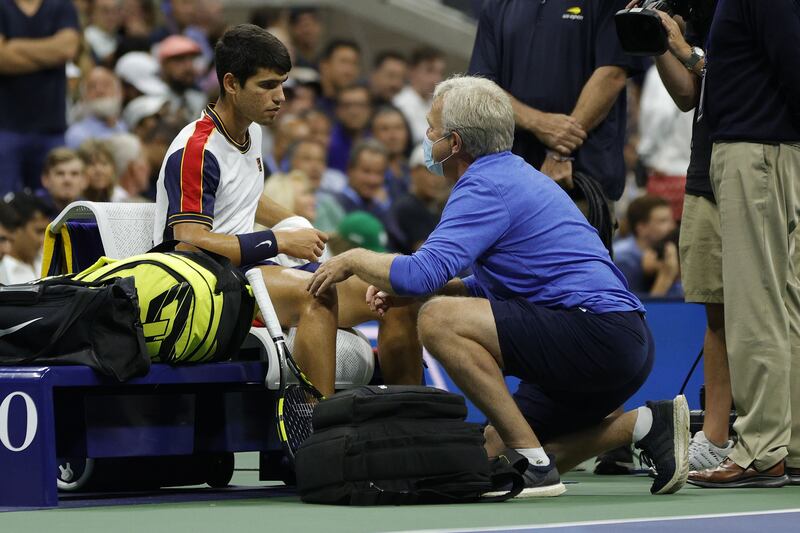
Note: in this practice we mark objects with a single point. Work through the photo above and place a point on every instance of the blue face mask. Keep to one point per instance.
(427, 150)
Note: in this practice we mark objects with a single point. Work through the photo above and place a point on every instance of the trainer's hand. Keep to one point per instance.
(559, 171)
(562, 133)
(334, 270)
(302, 243)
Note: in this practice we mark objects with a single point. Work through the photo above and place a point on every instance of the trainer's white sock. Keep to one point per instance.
(535, 456)
(644, 421)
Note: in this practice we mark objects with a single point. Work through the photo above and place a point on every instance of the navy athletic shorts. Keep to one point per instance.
(576, 367)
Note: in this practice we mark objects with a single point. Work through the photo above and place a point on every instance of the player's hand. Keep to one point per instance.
(332, 271)
(302, 243)
(677, 44)
(559, 171)
(561, 133)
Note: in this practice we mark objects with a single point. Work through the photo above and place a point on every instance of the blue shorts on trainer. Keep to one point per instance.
(576, 367)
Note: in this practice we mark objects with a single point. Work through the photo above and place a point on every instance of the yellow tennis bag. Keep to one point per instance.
(194, 307)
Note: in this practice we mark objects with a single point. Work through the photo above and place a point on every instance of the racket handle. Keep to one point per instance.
(264, 302)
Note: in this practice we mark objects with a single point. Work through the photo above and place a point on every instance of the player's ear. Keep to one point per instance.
(231, 84)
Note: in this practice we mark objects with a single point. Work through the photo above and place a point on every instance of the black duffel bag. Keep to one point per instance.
(62, 321)
(390, 445)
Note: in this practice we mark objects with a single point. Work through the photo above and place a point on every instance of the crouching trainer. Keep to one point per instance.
(544, 303)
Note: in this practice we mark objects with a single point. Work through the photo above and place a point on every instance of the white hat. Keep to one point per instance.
(417, 158)
(140, 69)
(142, 107)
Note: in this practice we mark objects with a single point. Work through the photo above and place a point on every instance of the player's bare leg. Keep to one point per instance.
(399, 349)
(315, 318)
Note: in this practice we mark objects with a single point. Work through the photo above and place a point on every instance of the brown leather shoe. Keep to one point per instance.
(794, 475)
(730, 475)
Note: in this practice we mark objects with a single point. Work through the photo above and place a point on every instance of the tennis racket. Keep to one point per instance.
(296, 401)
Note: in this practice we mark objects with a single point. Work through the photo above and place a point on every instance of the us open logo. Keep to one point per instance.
(31, 421)
(573, 13)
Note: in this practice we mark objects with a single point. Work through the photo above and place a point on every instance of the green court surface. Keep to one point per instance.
(588, 498)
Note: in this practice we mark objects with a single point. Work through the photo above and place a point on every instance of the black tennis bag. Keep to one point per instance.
(60, 321)
(390, 445)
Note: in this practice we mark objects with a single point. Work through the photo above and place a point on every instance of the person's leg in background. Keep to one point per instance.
(11, 162)
(755, 216)
(792, 170)
(701, 274)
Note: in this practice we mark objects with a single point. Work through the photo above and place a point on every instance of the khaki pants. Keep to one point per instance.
(758, 191)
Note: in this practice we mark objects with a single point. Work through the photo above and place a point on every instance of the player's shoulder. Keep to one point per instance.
(202, 127)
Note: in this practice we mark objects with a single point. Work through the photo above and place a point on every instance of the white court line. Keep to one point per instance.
(597, 522)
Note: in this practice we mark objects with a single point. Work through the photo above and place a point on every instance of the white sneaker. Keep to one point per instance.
(703, 454)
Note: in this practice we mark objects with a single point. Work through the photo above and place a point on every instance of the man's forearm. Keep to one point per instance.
(14, 62)
(598, 96)
(524, 115)
(372, 267)
(49, 51)
(683, 86)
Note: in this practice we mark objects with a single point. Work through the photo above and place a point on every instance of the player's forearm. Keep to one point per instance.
(682, 85)
(270, 213)
(200, 237)
(598, 96)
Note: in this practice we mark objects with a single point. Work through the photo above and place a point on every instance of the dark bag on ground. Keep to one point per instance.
(63, 321)
(391, 445)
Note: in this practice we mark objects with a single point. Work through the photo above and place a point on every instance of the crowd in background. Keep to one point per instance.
(92, 92)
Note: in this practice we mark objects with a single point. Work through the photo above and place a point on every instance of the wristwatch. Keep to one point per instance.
(697, 55)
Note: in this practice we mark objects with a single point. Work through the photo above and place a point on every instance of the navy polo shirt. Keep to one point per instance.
(543, 52)
(753, 78)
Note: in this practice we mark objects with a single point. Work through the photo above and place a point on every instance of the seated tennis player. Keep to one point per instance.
(545, 303)
(209, 194)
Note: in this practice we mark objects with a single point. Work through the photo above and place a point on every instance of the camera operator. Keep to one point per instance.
(681, 69)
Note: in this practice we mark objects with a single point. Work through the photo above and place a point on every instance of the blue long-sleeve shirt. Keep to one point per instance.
(523, 238)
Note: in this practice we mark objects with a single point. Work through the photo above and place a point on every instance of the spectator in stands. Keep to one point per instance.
(353, 110)
(388, 77)
(308, 156)
(417, 212)
(321, 126)
(179, 15)
(339, 67)
(576, 120)
(63, 179)
(358, 230)
(649, 257)
(426, 69)
(305, 29)
(23, 262)
(177, 55)
(289, 130)
(155, 142)
(132, 168)
(98, 163)
(139, 74)
(753, 113)
(143, 113)
(99, 109)
(389, 126)
(8, 222)
(37, 39)
(102, 35)
(665, 142)
(138, 20)
(365, 190)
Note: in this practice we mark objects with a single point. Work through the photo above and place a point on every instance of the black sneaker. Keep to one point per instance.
(540, 481)
(617, 462)
(667, 444)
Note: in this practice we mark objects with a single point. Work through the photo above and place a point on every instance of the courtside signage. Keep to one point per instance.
(31, 421)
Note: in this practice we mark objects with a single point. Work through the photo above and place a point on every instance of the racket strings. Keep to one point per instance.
(298, 409)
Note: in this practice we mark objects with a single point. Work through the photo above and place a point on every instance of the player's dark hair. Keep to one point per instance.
(335, 44)
(640, 209)
(244, 49)
(387, 55)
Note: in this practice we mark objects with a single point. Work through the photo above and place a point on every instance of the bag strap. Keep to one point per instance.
(507, 469)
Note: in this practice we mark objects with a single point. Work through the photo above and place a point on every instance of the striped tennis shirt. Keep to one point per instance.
(208, 178)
